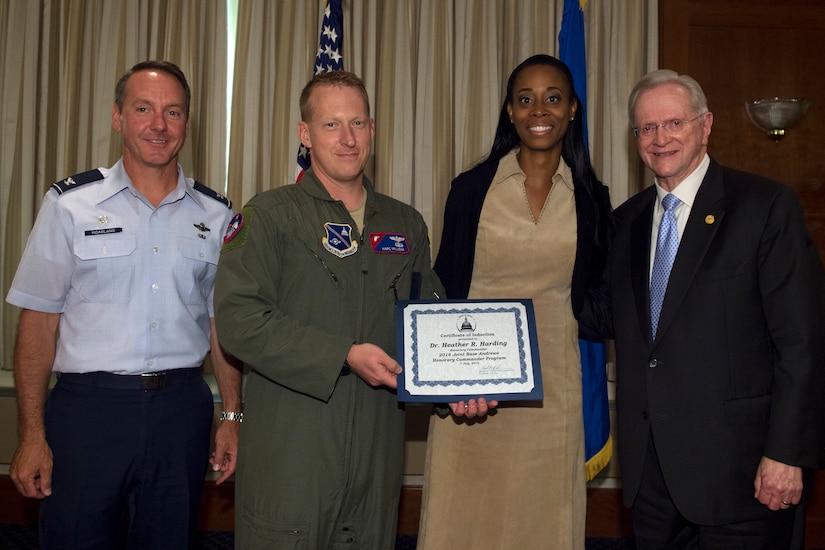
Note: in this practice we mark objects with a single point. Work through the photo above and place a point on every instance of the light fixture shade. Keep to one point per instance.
(776, 115)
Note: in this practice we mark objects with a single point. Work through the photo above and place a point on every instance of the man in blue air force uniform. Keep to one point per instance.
(121, 264)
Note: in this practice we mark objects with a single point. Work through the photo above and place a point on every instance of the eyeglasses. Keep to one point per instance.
(673, 127)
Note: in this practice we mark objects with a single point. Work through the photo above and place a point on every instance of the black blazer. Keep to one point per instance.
(738, 367)
(454, 263)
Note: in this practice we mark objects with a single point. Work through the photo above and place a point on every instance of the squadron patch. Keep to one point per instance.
(389, 243)
(338, 239)
(238, 229)
(234, 227)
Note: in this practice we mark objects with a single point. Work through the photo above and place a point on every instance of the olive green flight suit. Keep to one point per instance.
(321, 451)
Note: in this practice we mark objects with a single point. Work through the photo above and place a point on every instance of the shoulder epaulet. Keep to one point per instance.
(212, 194)
(78, 179)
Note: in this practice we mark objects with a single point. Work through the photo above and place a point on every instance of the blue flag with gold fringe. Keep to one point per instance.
(328, 58)
(598, 444)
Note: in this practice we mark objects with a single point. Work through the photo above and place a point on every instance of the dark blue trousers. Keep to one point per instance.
(129, 464)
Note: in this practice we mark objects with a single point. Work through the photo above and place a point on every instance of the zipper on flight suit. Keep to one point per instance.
(330, 272)
(392, 284)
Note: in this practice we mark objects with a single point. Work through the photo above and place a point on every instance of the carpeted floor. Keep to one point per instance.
(22, 537)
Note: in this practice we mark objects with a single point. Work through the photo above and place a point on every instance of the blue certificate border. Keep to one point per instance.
(469, 307)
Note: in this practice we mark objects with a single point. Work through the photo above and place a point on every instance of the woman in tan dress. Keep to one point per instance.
(529, 221)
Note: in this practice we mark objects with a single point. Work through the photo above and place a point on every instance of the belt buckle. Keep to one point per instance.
(152, 381)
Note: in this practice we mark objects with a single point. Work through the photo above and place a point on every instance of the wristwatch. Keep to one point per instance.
(233, 416)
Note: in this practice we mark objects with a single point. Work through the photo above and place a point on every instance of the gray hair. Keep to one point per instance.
(653, 79)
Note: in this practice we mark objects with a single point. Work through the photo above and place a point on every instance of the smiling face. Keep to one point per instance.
(152, 121)
(339, 132)
(672, 157)
(541, 108)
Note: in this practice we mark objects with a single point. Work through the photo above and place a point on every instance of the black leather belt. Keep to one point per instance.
(147, 381)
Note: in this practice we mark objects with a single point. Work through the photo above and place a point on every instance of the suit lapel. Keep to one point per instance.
(640, 260)
(705, 218)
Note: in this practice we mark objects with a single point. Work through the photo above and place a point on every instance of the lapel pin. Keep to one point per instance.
(709, 219)
(103, 220)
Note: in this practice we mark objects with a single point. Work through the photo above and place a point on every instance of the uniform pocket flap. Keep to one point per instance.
(198, 250)
(99, 246)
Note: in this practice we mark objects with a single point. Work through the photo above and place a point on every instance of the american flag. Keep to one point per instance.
(328, 58)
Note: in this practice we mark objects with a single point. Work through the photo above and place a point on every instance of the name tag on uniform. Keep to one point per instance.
(107, 231)
(389, 243)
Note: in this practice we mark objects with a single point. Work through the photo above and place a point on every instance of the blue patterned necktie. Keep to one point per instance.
(666, 246)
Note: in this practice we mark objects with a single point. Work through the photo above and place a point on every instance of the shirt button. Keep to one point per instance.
(200, 254)
(153, 325)
(155, 287)
(150, 363)
(104, 251)
(155, 249)
(653, 363)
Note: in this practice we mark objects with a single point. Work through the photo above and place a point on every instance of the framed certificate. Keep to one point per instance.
(454, 350)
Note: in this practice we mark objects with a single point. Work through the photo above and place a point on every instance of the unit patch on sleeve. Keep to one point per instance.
(389, 243)
(234, 227)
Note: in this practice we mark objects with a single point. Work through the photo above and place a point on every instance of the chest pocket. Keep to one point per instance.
(106, 268)
(195, 269)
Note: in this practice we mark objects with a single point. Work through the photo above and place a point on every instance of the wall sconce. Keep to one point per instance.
(776, 115)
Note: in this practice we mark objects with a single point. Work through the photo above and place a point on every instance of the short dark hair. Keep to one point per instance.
(331, 78)
(153, 65)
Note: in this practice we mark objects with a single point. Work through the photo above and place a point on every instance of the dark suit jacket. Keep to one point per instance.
(738, 368)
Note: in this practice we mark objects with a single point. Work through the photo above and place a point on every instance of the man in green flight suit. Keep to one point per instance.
(305, 295)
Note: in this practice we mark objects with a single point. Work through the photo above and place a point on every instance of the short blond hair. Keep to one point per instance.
(331, 78)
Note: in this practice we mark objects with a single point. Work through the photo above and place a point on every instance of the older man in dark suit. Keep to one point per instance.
(715, 299)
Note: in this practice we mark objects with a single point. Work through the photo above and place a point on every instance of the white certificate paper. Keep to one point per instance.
(454, 350)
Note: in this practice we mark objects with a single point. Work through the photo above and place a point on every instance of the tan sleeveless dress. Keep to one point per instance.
(516, 480)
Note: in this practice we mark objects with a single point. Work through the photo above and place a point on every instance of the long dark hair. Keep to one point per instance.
(574, 152)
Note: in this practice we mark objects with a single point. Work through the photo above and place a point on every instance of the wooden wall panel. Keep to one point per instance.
(742, 50)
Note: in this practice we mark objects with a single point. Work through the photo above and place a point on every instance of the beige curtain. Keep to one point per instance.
(622, 46)
(435, 71)
(59, 62)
